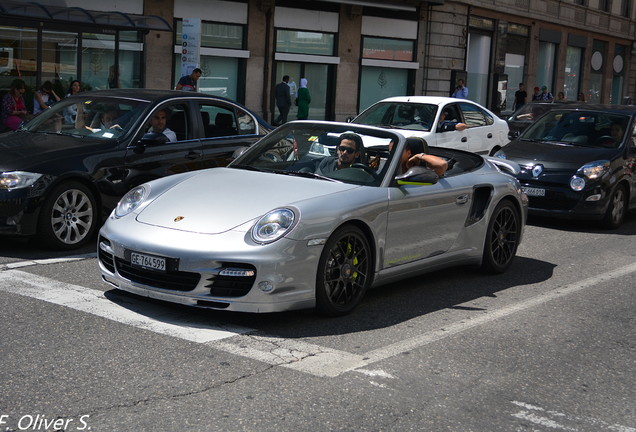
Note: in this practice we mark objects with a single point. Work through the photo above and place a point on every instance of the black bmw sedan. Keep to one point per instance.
(62, 172)
(578, 161)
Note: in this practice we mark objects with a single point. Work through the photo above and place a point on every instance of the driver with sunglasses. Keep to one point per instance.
(348, 152)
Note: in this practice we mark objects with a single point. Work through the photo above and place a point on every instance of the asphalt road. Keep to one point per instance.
(548, 346)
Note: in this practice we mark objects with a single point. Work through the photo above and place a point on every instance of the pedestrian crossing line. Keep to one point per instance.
(137, 313)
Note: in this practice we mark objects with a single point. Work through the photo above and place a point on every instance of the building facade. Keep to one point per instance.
(352, 53)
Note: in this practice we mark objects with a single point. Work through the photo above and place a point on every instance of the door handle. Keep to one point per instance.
(462, 199)
(489, 135)
(464, 139)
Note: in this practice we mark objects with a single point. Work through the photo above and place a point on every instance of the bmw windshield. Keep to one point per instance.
(97, 117)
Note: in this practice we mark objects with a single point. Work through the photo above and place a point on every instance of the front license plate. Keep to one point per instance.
(530, 191)
(148, 261)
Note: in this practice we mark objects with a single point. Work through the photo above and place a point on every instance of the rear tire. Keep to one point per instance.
(344, 271)
(617, 208)
(502, 238)
(68, 217)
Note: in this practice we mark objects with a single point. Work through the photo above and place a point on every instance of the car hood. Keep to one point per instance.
(37, 152)
(219, 199)
(554, 155)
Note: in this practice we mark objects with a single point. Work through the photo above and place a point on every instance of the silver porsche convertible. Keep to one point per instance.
(301, 220)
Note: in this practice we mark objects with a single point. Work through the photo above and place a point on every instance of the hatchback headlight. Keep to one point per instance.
(594, 170)
(17, 179)
(133, 199)
(273, 225)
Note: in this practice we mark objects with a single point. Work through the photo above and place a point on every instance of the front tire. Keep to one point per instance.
(68, 218)
(616, 210)
(344, 271)
(502, 238)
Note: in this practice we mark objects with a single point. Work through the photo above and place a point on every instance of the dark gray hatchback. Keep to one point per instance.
(579, 161)
(63, 172)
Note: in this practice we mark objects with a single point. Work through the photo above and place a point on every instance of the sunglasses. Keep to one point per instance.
(349, 150)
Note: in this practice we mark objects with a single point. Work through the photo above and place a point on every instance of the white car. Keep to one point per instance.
(422, 116)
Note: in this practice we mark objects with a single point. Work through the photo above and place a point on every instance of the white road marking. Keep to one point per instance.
(530, 413)
(141, 314)
(293, 354)
(327, 362)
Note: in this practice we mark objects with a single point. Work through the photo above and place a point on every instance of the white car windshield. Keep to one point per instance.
(99, 117)
(323, 151)
(407, 115)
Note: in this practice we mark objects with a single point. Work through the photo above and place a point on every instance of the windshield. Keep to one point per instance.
(529, 112)
(324, 151)
(584, 128)
(100, 117)
(405, 115)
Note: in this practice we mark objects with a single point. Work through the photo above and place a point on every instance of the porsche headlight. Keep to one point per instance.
(17, 179)
(594, 170)
(500, 154)
(273, 225)
(133, 199)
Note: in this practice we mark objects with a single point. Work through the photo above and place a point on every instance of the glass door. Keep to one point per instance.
(317, 76)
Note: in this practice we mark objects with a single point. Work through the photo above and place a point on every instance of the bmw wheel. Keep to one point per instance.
(502, 238)
(344, 271)
(616, 209)
(68, 217)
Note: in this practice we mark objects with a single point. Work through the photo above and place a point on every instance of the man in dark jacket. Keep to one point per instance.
(283, 100)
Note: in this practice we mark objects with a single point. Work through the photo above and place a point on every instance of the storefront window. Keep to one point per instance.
(572, 72)
(303, 42)
(545, 65)
(98, 62)
(388, 49)
(59, 60)
(130, 56)
(618, 66)
(597, 62)
(217, 35)
(19, 56)
(379, 83)
(477, 67)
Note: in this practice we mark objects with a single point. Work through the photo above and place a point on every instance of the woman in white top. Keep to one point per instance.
(70, 112)
(44, 97)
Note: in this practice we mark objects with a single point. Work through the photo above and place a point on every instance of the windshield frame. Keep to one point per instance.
(299, 147)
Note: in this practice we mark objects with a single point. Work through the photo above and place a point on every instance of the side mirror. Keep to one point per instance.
(149, 139)
(153, 138)
(513, 135)
(419, 176)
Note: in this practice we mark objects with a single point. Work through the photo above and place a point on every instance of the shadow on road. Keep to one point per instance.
(382, 307)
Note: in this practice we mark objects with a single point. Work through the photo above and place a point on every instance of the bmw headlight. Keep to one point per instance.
(133, 199)
(17, 179)
(594, 170)
(273, 225)
(500, 154)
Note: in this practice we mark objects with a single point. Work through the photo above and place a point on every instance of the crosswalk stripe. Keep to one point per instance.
(141, 314)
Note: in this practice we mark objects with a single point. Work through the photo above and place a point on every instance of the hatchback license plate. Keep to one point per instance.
(537, 192)
(148, 261)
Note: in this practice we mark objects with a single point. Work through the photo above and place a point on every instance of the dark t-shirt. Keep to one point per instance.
(187, 83)
(520, 98)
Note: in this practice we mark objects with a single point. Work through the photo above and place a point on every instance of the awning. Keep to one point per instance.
(76, 15)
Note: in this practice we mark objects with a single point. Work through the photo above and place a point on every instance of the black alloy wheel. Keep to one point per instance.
(502, 238)
(344, 271)
(617, 208)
